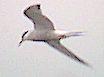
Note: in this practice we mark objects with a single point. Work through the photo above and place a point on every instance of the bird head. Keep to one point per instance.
(23, 37)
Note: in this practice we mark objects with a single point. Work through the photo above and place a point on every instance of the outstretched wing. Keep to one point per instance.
(40, 21)
(56, 44)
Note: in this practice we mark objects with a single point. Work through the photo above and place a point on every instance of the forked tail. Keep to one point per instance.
(70, 34)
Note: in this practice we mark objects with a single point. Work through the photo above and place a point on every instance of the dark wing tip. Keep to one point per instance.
(38, 6)
(83, 62)
(28, 8)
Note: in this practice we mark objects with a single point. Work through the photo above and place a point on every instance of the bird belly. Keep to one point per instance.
(43, 36)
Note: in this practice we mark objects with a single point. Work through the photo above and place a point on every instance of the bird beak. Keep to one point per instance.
(20, 43)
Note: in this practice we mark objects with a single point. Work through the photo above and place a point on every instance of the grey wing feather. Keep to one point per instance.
(40, 21)
(56, 44)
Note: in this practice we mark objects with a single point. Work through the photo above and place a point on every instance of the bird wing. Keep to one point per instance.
(57, 45)
(40, 21)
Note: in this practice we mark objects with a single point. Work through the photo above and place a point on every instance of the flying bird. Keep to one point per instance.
(44, 31)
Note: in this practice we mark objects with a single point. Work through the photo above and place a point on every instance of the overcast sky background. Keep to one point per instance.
(34, 59)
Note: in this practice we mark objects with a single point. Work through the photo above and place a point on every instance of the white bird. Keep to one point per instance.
(45, 31)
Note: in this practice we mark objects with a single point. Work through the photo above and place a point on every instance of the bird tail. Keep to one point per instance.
(71, 34)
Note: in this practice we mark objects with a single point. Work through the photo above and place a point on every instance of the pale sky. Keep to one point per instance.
(35, 59)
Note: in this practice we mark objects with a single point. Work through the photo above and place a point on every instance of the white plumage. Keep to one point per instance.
(45, 31)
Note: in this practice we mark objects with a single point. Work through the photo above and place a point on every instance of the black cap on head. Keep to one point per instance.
(24, 34)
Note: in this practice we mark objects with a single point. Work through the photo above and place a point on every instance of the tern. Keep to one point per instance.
(44, 31)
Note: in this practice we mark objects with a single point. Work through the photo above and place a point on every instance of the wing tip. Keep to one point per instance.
(82, 61)
(38, 5)
(86, 64)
